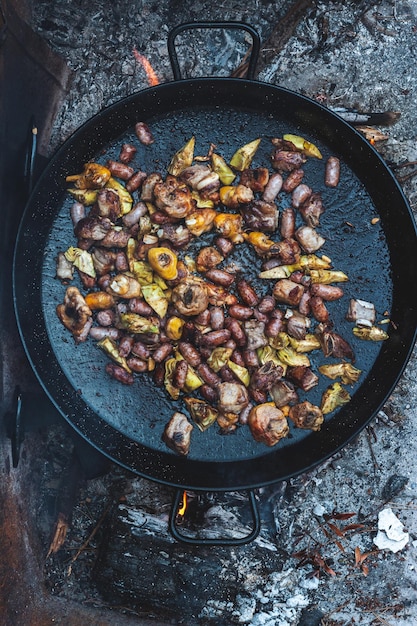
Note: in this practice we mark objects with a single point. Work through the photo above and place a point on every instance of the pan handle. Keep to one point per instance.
(254, 54)
(227, 541)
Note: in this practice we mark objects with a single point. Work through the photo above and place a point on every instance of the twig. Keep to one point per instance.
(279, 36)
(92, 534)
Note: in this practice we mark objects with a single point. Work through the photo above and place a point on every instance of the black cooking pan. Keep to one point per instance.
(126, 423)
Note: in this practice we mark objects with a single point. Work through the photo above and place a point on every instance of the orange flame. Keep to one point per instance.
(149, 71)
(183, 506)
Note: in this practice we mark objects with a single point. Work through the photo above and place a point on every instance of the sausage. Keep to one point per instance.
(209, 393)
(190, 354)
(327, 292)
(119, 374)
(120, 170)
(203, 318)
(139, 210)
(300, 195)
(180, 374)
(237, 358)
(272, 188)
(293, 179)
(77, 212)
(251, 358)
(139, 349)
(318, 309)
(121, 262)
(215, 338)
(224, 246)
(127, 153)
(208, 375)
(332, 172)
(136, 305)
(135, 181)
(105, 317)
(217, 317)
(220, 277)
(159, 374)
(136, 364)
(162, 352)
(100, 332)
(240, 312)
(125, 345)
(236, 330)
(267, 304)
(287, 226)
(247, 293)
(144, 134)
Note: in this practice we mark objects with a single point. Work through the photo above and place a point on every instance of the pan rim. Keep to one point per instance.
(186, 466)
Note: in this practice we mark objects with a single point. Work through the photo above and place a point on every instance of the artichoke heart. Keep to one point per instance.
(126, 200)
(156, 298)
(170, 365)
(192, 380)
(292, 358)
(182, 159)
(370, 334)
(137, 324)
(87, 197)
(303, 145)
(82, 260)
(111, 349)
(242, 158)
(142, 271)
(218, 358)
(241, 372)
(267, 353)
(282, 340)
(326, 277)
(202, 413)
(221, 168)
(334, 396)
(308, 344)
(347, 373)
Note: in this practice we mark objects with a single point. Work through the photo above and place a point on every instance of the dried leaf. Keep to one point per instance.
(335, 529)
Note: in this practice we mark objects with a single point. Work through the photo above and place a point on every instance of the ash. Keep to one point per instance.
(315, 561)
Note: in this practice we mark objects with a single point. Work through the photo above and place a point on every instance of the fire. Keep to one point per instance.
(150, 72)
(183, 506)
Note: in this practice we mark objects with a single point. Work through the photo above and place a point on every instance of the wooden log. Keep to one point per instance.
(142, 567)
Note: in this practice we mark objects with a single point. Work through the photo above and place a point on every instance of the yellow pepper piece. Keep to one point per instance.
(164, 262)
(242, 158)
(174, 328)
(305, 146)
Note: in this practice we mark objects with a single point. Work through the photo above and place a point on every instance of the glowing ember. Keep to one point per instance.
(183, 506)
(150, 72)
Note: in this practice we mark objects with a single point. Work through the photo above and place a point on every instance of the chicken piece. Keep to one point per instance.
(177, 434)
(108, 204)
(361, 312)
(207, 258)
(311, 210)
(288, 292)
(233, 397)
(201, 178)
(268, 424)
(260, 216)
(303, 377)
(287, 161)
(174, 198)
(190, 297)
(256, 179)
(266, 376)
(75, 314)
(306, 415)
(283, 393)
